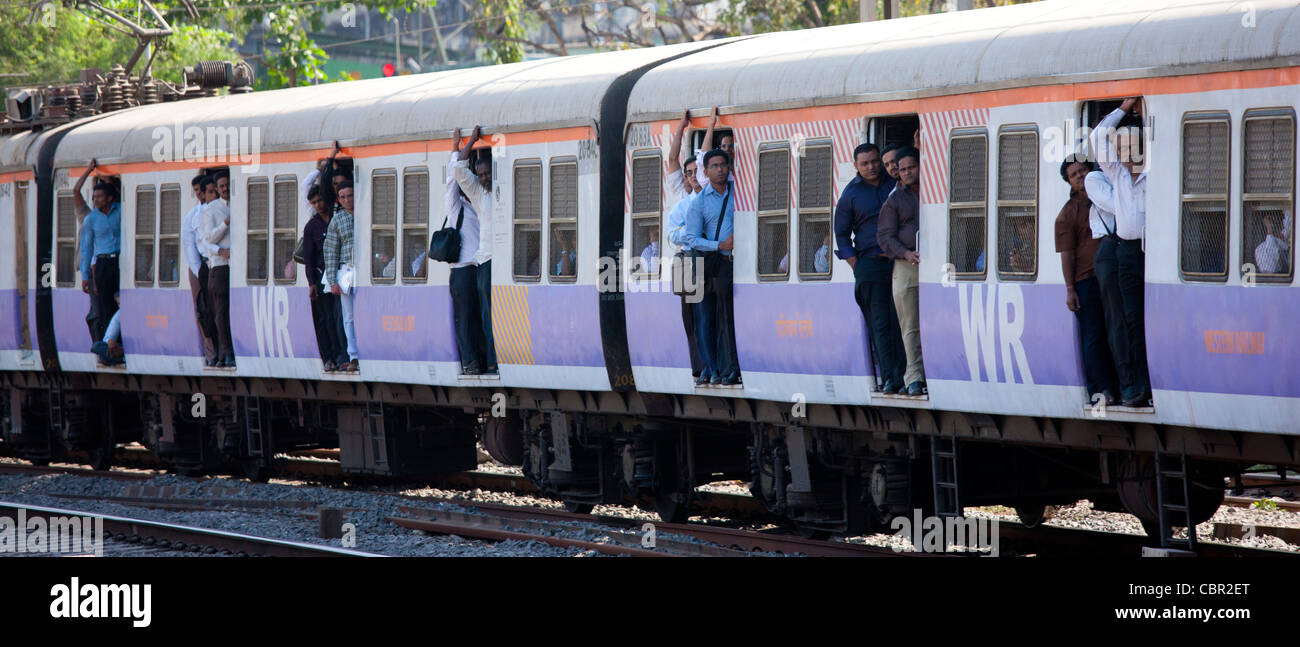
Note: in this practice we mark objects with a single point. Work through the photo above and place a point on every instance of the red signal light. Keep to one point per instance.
(389, 69)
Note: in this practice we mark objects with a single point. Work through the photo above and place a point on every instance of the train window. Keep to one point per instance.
(146, 220)
(383, 225)
(1203, 238)
(415, 224)
(1018, 203)
(284, 237)
(968, 203)
(169, 235)
(647, 192)
(259, 217)
(1268, 195)
(894, 130)
(563, 265)
(816, 199)
(697, 139)
(773, 212)
(66, 242)
(528, 220)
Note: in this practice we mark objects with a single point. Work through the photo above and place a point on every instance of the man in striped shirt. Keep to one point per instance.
(338, 250)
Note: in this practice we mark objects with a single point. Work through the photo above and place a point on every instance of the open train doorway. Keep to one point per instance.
(21, 273)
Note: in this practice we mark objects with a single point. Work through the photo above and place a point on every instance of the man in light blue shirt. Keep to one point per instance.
(100, 242)
(709, 225)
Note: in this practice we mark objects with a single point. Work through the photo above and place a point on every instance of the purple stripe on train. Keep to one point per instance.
(655, 335)
(1224, 339)
(10, 320)
(808, 328)
(159, 321)
(812, 329)
(999, 332)
(70, 306)
(403, 323)
(564, 325)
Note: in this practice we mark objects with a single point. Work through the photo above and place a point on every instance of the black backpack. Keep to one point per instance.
(444, 245)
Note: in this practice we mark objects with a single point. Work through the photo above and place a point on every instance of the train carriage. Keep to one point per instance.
(594, 365)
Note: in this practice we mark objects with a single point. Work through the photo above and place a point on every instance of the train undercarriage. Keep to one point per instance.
(825, 480)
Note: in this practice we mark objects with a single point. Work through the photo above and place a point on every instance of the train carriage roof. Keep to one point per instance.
(518, 96)
(982, 49)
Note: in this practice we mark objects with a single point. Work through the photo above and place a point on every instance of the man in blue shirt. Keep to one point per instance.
(856, 215)
(709, 226)
(101, 240)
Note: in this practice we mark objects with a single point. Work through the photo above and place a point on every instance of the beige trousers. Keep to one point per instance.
(906, 284)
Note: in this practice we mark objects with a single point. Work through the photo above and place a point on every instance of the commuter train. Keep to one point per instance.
(595, 397)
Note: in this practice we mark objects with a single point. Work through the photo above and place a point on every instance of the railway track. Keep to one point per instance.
(176, 537)
(496, 522)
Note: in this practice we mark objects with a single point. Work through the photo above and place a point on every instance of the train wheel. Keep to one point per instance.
(578, 508)
(672, 507)
(256, 470)
(811, 532)
(504, 440)
(101, 457)
(1032, 515)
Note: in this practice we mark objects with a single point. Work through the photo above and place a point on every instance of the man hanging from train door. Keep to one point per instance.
(463, 282)
(340, 271)
(896, 233)
(318, 200)
(1121, 156)
(856, 219)
(1077, 244)
(101, 240)
(478, 186)
(198, 272)
(709, 228)
(682, 185)
(216, 232)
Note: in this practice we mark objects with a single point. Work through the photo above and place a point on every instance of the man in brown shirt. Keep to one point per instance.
(1077, 247)
(900, 219)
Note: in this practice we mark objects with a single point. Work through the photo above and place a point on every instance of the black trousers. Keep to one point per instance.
(485, 314)
(1098, 367)
(106, 281)
(724, 320)
(326, 319)
(466, 316)
(219, 299)
(688, 321)
(873, 291)
(203, 307)
(1132, 288)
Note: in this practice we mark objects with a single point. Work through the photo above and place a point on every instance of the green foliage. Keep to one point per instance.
(59, 44)
(507, 19)
(1264, 504)
(761, 16)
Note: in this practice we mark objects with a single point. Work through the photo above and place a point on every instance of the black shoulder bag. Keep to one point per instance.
(444, 245)
(698, 264)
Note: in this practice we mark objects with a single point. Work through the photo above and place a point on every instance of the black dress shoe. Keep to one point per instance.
(731, 381)
(1139, 401)
(472, 369)
(491, 370)
(702, 379)
(916, 388)
(212, 362)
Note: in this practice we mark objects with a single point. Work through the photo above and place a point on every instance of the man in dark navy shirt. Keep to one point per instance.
(855, 236)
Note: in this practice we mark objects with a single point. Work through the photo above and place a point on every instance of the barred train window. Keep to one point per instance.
(968, 203)
(169, 235)
(647, 214)
(773, 212)
(816, 199)
(1203, 241)
(146, 219)
(285, 237)
(383, 225)
(528, 220)
(66, 242)
(563, 265)
(415, 225)
(259, 218)
(1018, 203)
(1268, 194)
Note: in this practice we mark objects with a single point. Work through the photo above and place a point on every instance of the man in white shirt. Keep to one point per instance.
(1273, 253)
(477, 186)
(682, 186)
(1120, 156)
(215, 231)
(198, 272)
